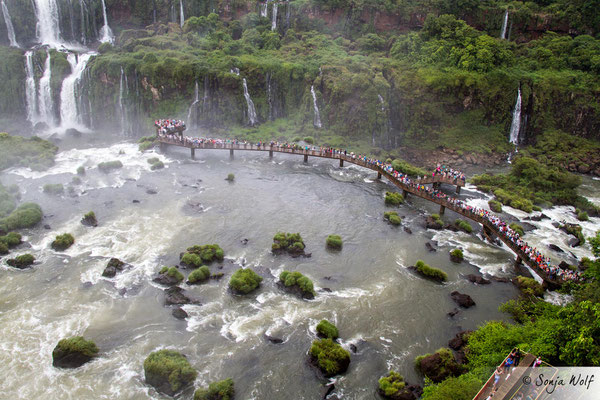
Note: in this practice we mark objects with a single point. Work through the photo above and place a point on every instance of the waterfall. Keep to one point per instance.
(122, 110)
(205, 96)
(181, 15)
(30, 92)
(317, 116)
(48, 28)
(84, 21)
(515, 127)
(9, 26)
(192, 122)
(269, 96)
(274, 17)
(106, 34)
(504, 25)
(69, 94)
(263, 9)
(235, 70)
(250, 103)
(46, 107)
(287, 15)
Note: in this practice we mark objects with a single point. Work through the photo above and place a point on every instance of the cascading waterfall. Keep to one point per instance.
(269, 96)
(84, 22)
(382, 103)
(69, 94)
(251, 110)
(30, 91)
(504, 25)
(515, 126)
(191, 111)
(274, 17)
(263, 9)
(9, 26)
(205, 96)
(181, 15)
(317, 116)
(48, 28)
(106, 34)
(46, 106)
(123, 91)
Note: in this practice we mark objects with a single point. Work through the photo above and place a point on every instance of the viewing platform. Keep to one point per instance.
(415, 188)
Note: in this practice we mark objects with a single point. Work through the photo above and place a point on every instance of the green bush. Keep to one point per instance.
(199, 275)
(583, 216)
(392, 217)
(429, 272)
(191, 260)
(222, 390)
(290, 242)
(54, 188)
(326, 329)
(295, 278)
(463, 225)
(173, 272)
(517, 228)
(75, 344)
(495, 206)
(391, 385)
(230, 177)
(109, 166)
(11, 239)
(244, 281)
(3, 249)
(63, 242)
(168, 369)
(408, 169)
(157, 165)
(330, 357)
(309, 140)
(456, 255)
(334, 242)
(81, 170)
(35, 153)
(208, 252)
(393, 198)
(26, 215)
(22, 261)
(529, 286)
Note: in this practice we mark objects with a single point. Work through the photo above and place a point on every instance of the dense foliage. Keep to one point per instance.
(63, 242)
(221, 390)
(391, 385)
(199, 275)
(26, 215)
(35, 153)
(334, 242)
(330, 357)
(168, 366)
(304, 284)
(207, 253)
(290, 242)
(430, 272)
(172, 272)
(327, 330)
(392, 217)
(393, 198)
(244, 281)
(77, 344)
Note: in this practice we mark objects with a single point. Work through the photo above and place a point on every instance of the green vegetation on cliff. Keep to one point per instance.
(35, 153)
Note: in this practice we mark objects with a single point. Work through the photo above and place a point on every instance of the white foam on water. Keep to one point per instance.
(558, 299)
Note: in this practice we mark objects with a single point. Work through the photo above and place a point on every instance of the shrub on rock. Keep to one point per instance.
(191, 260)
(495, 206)
(429, 272)
(63, 242)
(170, 276)
(222, 390)
(298, 282)
(439, 365)
(393, 198)
(244, 281)
(329, 357)
(529, 286)
(168, 371)
(3, 249)
(81, 170)
(327, 330)
(73, 352)
(109, 166)
(25, 216)
(583, 216)
(11, 239)
(199, 275)
(114, 265)
(290, 242)
(89, 219)
(434, 222)
(392, 217)
(208, 252)
(517, 228)
(463, 225)
(54, 188)
(230, 177)
(334, 242)
(392, 386)
(22, 261)
(456, 255)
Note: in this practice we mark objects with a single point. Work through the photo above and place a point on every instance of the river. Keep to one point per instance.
(390, 314)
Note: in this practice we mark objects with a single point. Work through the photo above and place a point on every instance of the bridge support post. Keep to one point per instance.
(487, 233)
(341, 163)
(193, 153)
(518, 261)
(404, 194)
(270, 153)
(306, 158)
(231, 153)
(442, 210)
(378, 175)
(457, 189)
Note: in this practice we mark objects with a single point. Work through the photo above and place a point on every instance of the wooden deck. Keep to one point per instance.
(488, 227)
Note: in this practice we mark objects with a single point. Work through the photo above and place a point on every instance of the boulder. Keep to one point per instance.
(73, 352)
(151, 191)
(273, 339)
(459, 341)
(431, 246)
(89, 219)
(22, 261)
(166, 280)
(453, 313)
(431, 223)
(179, 313)
(73, 132)
(463, 300)
(408, 230)
(554, 247)
(439, 366)
(574, 242)
(176, 296)
(113, 267)
(480, 280)
(500, 279)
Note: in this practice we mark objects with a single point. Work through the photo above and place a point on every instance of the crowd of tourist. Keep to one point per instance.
(448, 172)
(169, 126)
(530, 254)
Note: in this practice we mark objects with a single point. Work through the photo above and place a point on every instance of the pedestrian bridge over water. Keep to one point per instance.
(489, 229)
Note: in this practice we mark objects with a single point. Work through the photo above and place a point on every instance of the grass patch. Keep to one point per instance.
(304, 284)
(244, 281)
(199, 275)
(334, 242)
(168, 369)
(326, 329)
(393, 198)
(222, 390)
(54, 189)
(109, 166)
(392, 217)
(63, 242)
(430, 272)
(330, 357)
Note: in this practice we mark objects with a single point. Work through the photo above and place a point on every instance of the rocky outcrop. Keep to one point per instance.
(73, 352)
(480, 280)
(113, 267)
(463, 300)
(179, 313)
(177, 296)
(439, 366)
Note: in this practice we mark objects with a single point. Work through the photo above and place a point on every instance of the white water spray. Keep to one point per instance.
(274, 17)
(69, 105)
(123, 91)
(504, 25)
(251, 110)
(181, 15)
(30, 91)
(317, 116)
(46, 106)
(48, 28)
(263, 9)
(106, 34)
(192, 122)
(515, 126)
(9, 26)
